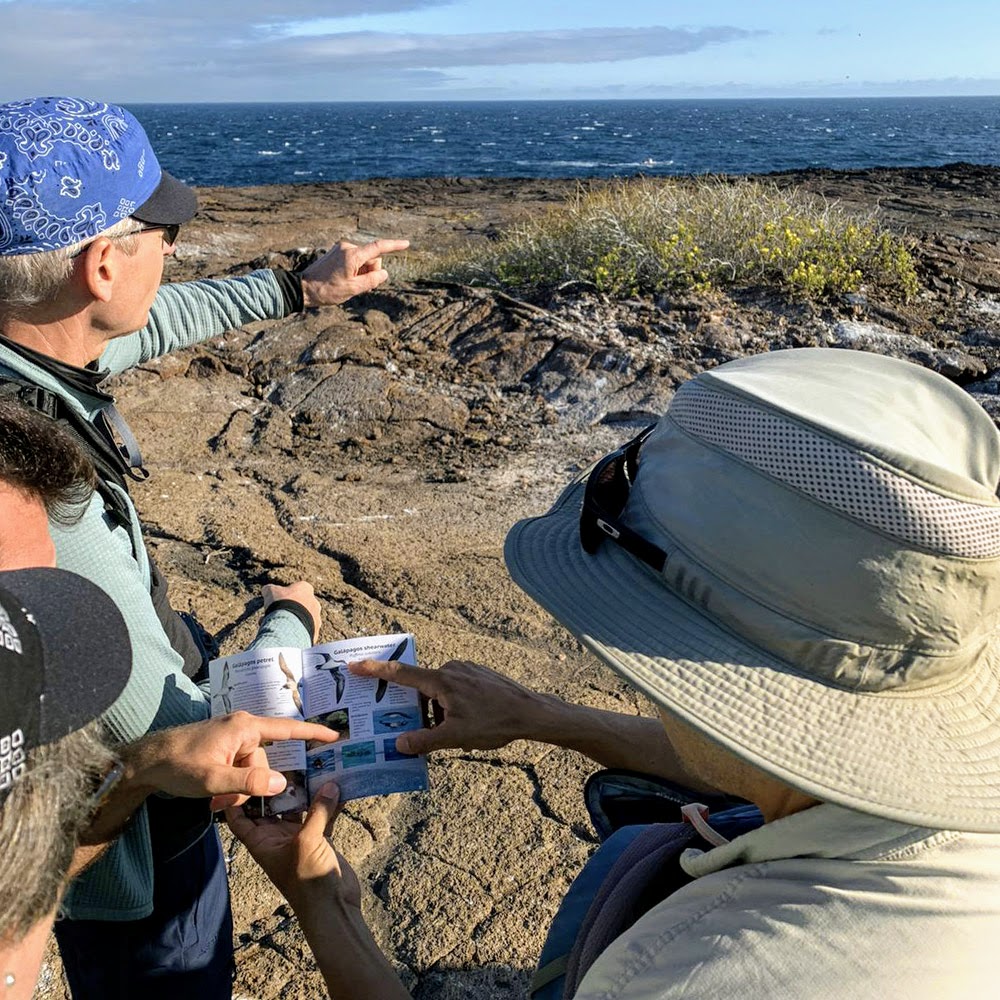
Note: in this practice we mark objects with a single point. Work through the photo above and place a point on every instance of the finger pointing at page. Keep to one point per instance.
(481, 709)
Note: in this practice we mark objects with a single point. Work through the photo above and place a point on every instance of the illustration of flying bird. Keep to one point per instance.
(291, 684)
(383, 685)
(336, 670)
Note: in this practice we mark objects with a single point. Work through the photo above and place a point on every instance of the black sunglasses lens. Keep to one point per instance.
(590, 534)
(170, 234)
(612, 489)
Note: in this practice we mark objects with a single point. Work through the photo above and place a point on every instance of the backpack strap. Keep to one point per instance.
(548, 980)
(102, 452)
(33, 396)
(111, 467)
(633, 870)
(646, 872)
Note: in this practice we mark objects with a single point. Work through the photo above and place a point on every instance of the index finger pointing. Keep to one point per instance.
(425, 681)
(292, 729)
(378, 247)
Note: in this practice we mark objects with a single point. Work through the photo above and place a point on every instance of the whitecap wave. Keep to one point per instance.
(592, 164)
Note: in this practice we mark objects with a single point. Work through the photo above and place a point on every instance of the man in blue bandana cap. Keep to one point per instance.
(87, 216)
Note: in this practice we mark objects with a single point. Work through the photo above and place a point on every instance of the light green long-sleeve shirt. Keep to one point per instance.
(824, 904)
(120, 885)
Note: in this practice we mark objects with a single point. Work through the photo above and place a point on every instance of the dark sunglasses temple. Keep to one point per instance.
(632, 542)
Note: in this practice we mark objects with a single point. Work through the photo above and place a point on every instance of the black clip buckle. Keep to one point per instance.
(40, 399)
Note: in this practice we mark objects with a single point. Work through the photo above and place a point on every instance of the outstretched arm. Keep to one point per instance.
(325, 895)
(483, 710)
(188, 312)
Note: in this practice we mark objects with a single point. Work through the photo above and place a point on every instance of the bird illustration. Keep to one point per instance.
(394, 720)
(223, 692)
(336, 670)
(383, 685)
(292, 799)
(291, 684)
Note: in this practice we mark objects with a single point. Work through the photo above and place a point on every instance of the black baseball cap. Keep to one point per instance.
(65, 657)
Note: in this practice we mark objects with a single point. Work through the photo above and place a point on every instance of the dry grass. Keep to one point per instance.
(646, 236)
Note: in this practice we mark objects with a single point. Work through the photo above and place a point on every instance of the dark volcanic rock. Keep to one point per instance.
(406, 369)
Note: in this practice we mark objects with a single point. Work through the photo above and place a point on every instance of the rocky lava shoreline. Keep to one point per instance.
(382, 449)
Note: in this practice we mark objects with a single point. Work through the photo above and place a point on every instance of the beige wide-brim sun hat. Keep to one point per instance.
(829, 606)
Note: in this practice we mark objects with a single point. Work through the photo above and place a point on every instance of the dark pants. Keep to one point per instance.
(182, 951)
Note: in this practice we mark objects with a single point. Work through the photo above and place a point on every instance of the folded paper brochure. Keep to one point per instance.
(314, 684)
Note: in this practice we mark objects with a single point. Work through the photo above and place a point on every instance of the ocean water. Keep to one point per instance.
(238, 144)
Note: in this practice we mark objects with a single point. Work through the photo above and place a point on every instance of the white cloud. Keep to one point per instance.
(240, 50)
(581, 45)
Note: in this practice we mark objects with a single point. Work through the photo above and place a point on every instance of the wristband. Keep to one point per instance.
(290, 283)
(300, 612)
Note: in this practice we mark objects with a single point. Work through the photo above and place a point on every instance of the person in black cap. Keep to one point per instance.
(60, 786)
(65, 658)
(52, 759)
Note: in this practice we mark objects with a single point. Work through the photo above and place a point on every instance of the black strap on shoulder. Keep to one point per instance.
(34, 396)
(103, 454)
(180, 629)
(111, 467)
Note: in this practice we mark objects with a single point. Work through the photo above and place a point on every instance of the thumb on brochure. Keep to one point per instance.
(236, 784)
(421, 741)
(322, 813)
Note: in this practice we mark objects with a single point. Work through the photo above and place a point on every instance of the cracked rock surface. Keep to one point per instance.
(382, 449)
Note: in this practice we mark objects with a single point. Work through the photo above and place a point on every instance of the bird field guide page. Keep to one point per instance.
(314, 684)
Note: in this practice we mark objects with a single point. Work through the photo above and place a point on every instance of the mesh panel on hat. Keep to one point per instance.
(838, 476)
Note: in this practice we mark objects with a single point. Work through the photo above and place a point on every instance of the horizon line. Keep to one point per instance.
(582, 100)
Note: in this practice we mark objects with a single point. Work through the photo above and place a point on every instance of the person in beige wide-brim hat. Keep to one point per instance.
(799, 564)
(817, 587)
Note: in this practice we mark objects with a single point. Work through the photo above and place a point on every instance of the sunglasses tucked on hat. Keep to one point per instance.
(64, 659)
(71, 168)
(802, 560)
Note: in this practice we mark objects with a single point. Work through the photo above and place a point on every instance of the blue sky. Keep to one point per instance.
(260, 50)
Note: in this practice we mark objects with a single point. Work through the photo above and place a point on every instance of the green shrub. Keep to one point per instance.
(647, 236)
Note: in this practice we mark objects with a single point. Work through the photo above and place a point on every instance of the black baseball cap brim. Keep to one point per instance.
(172, 203)
(81, 649)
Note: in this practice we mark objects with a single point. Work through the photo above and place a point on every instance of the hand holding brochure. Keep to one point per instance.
(314, 684)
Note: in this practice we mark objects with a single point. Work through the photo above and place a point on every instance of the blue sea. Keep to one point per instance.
(239, 144)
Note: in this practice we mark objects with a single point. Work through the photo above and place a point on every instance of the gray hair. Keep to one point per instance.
(26, 280)
(40, 824)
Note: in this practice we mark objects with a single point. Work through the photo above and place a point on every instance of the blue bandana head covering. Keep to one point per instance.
(71, 168)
